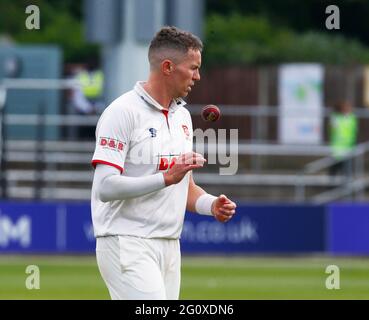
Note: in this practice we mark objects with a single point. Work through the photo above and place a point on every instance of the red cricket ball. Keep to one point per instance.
(210, 113)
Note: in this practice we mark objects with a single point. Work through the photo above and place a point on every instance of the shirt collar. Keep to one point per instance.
(176, 103)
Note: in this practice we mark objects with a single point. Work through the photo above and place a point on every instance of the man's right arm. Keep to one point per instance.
(111, 185)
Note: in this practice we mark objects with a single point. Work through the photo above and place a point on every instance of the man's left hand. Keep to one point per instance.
(223, 208)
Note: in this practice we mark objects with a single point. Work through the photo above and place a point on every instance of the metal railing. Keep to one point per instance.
(28, 84)
(79, 153)
(61, 158)
(352, 184)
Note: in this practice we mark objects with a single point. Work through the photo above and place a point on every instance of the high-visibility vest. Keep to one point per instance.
(92, 83)
(343, 132)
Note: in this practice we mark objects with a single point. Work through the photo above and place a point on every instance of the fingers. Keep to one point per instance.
(223, 218)
(225, 203)
(196, 158)
(223, 198)
(229, 206)
(228, 212)
(226, 215)
(226, 208)
(183, 164)
(193, 166)
(191, 158)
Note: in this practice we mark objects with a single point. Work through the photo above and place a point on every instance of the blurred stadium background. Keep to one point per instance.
(273, 68)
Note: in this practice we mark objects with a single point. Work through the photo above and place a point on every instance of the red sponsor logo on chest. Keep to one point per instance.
(165, 163)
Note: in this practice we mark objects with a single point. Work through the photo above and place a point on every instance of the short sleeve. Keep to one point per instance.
(113, 133)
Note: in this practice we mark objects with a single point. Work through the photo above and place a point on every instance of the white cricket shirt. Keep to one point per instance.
(136, 135)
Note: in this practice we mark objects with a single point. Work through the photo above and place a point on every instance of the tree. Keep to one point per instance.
(301, 16)
(61, 24)
(237, 39)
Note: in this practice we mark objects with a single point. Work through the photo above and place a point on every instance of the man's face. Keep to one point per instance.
(346, 108)
(186, 73)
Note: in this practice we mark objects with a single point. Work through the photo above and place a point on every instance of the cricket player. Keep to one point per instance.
(143, 175)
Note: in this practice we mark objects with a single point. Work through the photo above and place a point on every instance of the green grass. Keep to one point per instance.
(77, 277)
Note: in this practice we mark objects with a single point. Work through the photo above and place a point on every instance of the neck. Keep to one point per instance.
(158, 89)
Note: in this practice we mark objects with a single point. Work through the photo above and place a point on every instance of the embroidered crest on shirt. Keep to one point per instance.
(186, 131)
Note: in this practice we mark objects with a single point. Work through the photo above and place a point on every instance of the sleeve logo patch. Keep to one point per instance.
(112, 144)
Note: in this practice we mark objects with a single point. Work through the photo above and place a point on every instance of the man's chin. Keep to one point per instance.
(183, 94)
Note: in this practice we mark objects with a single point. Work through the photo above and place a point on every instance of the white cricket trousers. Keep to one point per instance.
(139, 269)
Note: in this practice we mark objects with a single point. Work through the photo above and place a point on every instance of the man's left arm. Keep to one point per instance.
(201, 202)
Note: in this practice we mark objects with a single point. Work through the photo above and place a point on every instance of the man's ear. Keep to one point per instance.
(167, 67)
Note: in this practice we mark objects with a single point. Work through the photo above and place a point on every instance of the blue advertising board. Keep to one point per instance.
(45, 227)
(28, 227)
(67, 228)
(348, 229)
(258, 228)
(79, 230)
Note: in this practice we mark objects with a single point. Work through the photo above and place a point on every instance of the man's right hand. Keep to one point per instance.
(183, 164)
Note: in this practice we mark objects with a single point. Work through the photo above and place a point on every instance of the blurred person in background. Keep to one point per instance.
(342, 137)
(92, 85)
(87, 99)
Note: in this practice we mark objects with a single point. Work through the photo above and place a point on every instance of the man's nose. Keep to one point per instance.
(196, 75)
